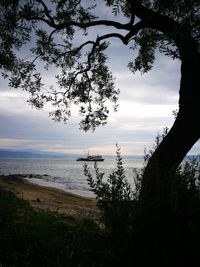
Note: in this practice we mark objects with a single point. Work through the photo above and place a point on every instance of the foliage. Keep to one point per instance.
(117, 187)
(114, 195)
(119, 203)
(40, 238)
(59, 35)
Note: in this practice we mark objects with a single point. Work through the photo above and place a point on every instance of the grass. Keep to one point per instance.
(40, 238)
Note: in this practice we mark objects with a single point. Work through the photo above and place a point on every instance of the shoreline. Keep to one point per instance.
(49, 198)
(43, 183)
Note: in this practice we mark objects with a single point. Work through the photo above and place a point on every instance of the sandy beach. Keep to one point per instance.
(49, 198)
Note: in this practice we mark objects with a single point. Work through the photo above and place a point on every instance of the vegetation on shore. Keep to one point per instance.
(133, 242)
(41, 238)
(30, 237)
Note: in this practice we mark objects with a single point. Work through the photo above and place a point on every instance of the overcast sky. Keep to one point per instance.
(145, 108)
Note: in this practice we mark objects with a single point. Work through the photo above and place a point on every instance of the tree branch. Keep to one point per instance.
(46, 10)
(66, 24)
(84, 44)
(154, 19)
(167, 25)
(134, 30)
(111, 35)
(111, 23)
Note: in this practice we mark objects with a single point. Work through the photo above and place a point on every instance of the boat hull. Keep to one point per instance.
(85, 159)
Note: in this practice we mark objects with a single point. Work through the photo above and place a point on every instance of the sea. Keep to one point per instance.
(66, 174)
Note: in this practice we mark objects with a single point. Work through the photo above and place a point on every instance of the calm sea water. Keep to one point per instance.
(66, 174)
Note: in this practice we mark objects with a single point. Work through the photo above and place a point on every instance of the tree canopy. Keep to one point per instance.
(37, 33)
(73, 37)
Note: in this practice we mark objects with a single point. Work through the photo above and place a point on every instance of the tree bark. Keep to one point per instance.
(158, 198)
(184, 133)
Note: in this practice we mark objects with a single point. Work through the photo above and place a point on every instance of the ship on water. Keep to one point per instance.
(91, 158)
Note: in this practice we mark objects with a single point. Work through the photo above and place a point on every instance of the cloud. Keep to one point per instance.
(159, 86)
(9, 143)
(146, 104)
(133, 126)
(32, 131)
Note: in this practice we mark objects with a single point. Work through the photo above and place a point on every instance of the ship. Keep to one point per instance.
(91, 158)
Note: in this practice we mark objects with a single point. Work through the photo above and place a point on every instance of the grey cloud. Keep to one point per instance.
(37, 132)
(159, 86)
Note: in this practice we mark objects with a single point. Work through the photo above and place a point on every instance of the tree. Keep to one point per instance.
(48, 30)
(118, 202)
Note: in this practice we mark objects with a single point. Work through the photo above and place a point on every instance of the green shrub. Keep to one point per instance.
(115, 198)
(119, 202)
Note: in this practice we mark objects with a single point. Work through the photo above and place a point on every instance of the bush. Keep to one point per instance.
(39, 238)
(119, 202)
(114, 195)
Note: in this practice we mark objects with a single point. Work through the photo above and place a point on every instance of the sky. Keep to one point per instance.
(146, 103)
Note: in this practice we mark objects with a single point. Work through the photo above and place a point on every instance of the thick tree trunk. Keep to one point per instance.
(183, 135)
(157, 210)
(168, 156)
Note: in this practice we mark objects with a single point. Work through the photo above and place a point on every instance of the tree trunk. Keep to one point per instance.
(157, 210)
(182, 136)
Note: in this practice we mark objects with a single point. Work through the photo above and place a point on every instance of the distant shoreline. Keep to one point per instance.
(18, 154)
(49, 198)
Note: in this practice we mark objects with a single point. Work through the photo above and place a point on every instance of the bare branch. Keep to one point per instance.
(111, 35)
(111, 23)
(84, 44)
(52, 33)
